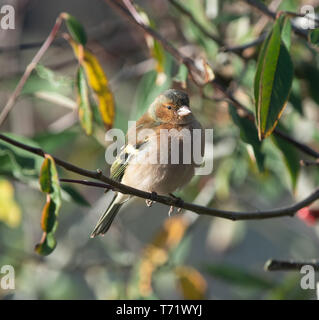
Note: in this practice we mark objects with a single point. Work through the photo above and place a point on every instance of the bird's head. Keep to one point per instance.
(172, 106)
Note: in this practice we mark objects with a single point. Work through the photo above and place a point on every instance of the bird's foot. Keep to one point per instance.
(171, 210)
(149, 202)
(178, 202)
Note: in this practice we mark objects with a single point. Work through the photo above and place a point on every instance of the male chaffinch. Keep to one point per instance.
(142, 164)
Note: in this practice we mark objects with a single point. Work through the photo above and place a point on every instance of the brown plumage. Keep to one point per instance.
(155, 160)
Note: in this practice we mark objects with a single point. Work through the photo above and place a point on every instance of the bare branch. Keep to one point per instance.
(189, 63)
(282, 265)
(7, 108)
(88, 183)
(271, 14)
(236, 49)
(240, 48)
(170, 201)
(308, 163)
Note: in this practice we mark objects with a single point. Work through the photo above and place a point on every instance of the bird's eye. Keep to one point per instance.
(169, 107)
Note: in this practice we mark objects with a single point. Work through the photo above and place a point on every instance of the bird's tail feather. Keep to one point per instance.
(107, 218)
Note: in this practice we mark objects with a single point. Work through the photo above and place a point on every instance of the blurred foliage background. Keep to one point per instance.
(146, 254)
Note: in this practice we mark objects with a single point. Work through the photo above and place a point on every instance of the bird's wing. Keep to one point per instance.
(122, 160)
(127, 152)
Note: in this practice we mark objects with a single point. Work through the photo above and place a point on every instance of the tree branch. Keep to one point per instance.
(170, 201)
(190, 64)
(89, 183)
(7, 108)
(240, 48)
(236, 49)
(117, 186)
(271, 14)
(282, 265)
(308, 163)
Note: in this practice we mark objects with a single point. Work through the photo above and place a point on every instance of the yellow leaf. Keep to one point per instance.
(156, 253)
(145, 279)
(191, 283)
(97, 80)
(10, 212)
(167, 238)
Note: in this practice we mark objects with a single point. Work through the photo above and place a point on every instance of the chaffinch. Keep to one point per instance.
(149, 162)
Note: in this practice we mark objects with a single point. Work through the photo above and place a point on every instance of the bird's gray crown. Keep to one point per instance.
(178, 97)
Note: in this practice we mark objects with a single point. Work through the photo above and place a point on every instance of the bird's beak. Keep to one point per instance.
(184, 111)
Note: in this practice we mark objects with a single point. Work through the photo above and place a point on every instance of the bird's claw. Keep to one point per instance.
(178, 202)
(152, 199)
(149, 202)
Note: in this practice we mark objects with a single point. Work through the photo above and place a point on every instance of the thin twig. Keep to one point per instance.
(282, 265)
(301, 146)
(102, 31)
(244, 112)
(240, 48)
(190, 64)
(308, 163)
(89, 183)
(271, 14)
(5, 111)
(117, 186)
(262, 8)
(236, 49)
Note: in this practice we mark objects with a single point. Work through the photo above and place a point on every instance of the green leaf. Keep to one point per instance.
(16, 162)
(286, 31)
(48, 218)
(47, 244)
(237, 276)
(155, 47)
(85, 112)
(290, 158)
(75, 29)
(249, 134)
(181, 76)
(45, 177)
(273, 80)
(147, 89)
(97, 81)
(74, 195)
(49, 182)
(289, 5)
(52, 79)
(259, 69)
(289, 289)
(313, 37)
(51, 141)
(295, 96)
